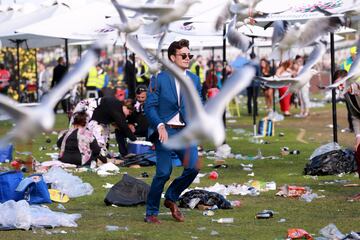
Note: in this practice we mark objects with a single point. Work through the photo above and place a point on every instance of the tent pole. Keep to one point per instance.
(253, 92)
(82, 82)
(37, 77)
(224, 69)
(18, 66)
(333, 93)
(67, 53)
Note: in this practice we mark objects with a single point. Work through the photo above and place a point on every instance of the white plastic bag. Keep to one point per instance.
(67, 183)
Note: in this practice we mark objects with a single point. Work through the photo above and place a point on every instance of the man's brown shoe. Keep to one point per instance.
(175, 212)
(152, 219)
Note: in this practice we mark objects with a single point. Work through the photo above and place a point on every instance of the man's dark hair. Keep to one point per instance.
(141, 88)
(80, 118)
(60, 60)
(129, 104)
(177, 45)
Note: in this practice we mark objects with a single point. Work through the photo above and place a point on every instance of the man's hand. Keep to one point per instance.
(131, 127)
(163, 135)
(354, 89)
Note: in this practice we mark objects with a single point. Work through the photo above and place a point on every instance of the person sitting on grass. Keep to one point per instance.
(77, 144)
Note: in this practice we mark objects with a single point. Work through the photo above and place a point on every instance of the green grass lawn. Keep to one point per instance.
(333, 208)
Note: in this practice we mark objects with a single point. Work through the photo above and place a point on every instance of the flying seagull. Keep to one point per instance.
(304, 75)
(126, 26)
(354, 72)
(166, 13)
(205, 123)
(236, 38)
(31, 121)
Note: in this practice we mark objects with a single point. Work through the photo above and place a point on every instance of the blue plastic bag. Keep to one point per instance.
(8, 184)
(6, 153)
(34, 189)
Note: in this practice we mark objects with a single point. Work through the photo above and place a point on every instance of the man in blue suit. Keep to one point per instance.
(165, 110)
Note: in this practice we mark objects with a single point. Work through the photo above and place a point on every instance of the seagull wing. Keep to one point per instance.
(134, 45)
(186, 137)
(193, 103)
(121, 13)
(74, 76)
(151, 9)
(237, 82)
(315, 55)
(12, 109)
(236, 38)
(354, 69)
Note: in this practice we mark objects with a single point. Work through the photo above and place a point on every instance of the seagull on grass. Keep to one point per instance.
(31, 121)
(205, 123)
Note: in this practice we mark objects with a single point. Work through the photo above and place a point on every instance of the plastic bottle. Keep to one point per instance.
(223, 220)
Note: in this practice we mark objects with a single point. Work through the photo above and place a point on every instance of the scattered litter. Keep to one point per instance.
(207, 198)
(235, 203)
(223, 220)
(231, 120)
(111, 228)
(239, 130)
(292, 191)
(251, 174)
(67, 183)
(107, 185)
(198, 176)
(308, 197)
(60, 206)
(265, 214)
(213, 233)
(324, 149)
(107, 169)
(281, 220)
(298, 233)
(193, 202)
(21, 215)
(201, 228)
(213, 175)
(208, 213)
(331, 232)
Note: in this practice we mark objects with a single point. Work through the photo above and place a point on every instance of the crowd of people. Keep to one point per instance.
(153, 108)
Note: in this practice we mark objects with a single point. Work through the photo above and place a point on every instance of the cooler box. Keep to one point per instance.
(139, 147)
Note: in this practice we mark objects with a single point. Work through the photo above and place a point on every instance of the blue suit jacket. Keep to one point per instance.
(162, 101)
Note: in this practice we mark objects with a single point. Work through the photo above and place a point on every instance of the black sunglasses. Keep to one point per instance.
(184, 55)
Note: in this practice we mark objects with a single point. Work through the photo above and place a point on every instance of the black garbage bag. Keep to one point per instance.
(332, 163)
(128, 192)
(206, 198)
(140, 159)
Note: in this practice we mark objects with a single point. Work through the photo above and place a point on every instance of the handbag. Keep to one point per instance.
(34, 189)
(8, 182)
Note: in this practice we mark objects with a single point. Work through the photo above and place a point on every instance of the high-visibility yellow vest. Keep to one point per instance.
(102, 79)
(140, 75)
(94, 80)
(201, 71)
